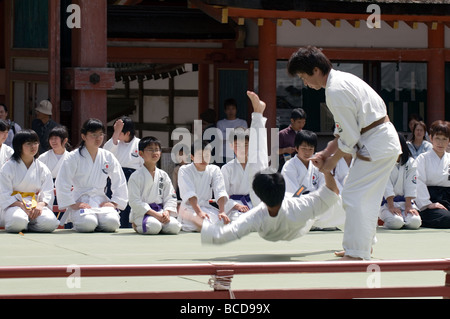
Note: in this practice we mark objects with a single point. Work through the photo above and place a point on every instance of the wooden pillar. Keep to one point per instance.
(203, 88)
(267, 81)
(54, 60)
(436, 75)
(89, 78)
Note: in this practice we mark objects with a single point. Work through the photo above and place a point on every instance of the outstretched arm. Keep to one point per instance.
(330, 182)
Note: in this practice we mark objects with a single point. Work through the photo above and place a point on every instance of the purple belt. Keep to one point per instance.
(398, 198)
(243, 198)
(156, 208)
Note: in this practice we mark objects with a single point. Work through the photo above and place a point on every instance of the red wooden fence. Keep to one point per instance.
(228, 270)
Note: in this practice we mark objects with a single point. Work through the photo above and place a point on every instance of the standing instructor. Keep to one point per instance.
(362, 129)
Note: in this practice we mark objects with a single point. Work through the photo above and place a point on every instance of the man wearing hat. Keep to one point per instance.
(43, 124)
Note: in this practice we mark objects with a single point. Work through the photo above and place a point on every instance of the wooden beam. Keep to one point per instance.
(412, 24)
(89, 78)
(315, 22)
(336, 23)
(393, 24)
(293, 15)
(215, 12)
(433, 25)
(354, 23)
(127, 2)
(296, 22)
(169, 55)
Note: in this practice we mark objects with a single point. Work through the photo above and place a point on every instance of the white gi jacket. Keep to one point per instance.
(53, 163)
(431, 171)
(403, 181)
(294, 219)
(5, 154)
(296, 174)
(15, 177)
(355, 105)
(200, 184)
(238, 181)
(126, 153)
(89, 178)
(144, 190)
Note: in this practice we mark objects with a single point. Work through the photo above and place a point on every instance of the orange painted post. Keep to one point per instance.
(436, 75)
(89, 59)
(267, 81)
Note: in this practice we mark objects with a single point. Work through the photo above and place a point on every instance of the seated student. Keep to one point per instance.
(287, 136)
(125, 147)
(238, 173)
(181, 159)
(197, 181)
(151, 195)
(58, 139)
(230, 121)
(87, 169)
(278, 217)
(5, 151)
(398, 208)
(300, 172)
(26, 188)
(433, 179)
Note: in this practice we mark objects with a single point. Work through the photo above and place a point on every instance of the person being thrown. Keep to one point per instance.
(277, 217)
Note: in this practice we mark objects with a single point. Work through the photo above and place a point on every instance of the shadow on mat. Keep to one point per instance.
(264, 257)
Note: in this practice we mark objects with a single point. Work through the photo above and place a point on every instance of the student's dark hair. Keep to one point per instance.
(440, 127)
(305, 136)
(205, 145)
(239, 133)
(91, 125)
(228, 102)
(298, 113)
(20, 138)
(405, 149)
(270, 187)
(306, 59)
(61, 132)
(4, 106)
(128, 126)
(146, 141)
(4, 126)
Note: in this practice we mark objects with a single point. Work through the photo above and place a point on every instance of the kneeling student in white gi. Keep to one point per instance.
(26, 188)
(87, 169)
(277, 217)
(152, 198)
(300, 173)
(398, 208)
(5, 151)
(58, 139)
(250, 149)
(197, 181)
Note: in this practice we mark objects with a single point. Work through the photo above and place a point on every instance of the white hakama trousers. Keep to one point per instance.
(362, 195)
(149, 225)
(105, 219)
(16, 220)
(392, 221)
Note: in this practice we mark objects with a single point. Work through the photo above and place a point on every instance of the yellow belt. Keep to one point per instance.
(28, 205)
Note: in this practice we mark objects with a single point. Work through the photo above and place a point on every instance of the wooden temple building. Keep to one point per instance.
(164, 62)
